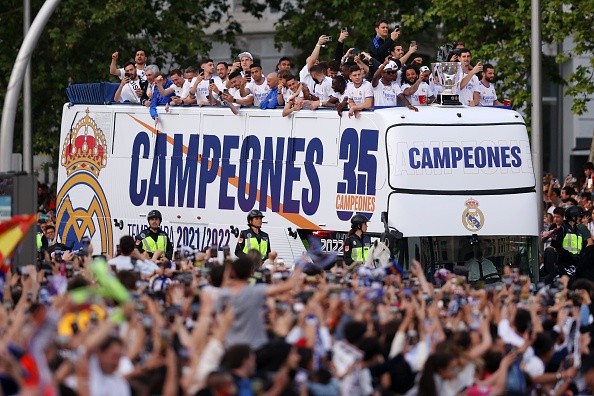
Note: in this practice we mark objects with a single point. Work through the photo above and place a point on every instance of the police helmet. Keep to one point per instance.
(357, 220)
(572, 213)
(154, 213)
(254, 214)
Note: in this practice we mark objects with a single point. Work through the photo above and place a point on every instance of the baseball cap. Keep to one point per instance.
(424, 69)
(243, 54)
(391, 66)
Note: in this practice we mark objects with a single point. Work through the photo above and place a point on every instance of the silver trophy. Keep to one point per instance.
(446, 75)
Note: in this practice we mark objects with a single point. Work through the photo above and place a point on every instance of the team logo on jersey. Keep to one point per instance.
(82, 208)
(472, 217)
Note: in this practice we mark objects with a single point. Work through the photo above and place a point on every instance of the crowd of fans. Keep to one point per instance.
(188, 323)
(353, 79)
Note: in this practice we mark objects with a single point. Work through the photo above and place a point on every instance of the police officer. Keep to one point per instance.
(153, 238)
(569, 242)
(253, 237)
(356, 244)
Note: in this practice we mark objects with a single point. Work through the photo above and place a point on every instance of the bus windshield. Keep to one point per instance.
(467, 251)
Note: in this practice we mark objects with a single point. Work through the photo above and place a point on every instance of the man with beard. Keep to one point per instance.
(131, 88)
(486, 95)
(414, 85)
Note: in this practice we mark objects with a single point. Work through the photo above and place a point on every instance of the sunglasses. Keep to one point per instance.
(390, 72)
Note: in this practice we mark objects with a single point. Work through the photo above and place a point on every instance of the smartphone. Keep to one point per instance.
(328, 38)
(214, 251)
(397, 28)
(225, 91)
(413, 43)
(355, 51)
(248, 73)
(211, 81)
(344, 29)
(226, 251)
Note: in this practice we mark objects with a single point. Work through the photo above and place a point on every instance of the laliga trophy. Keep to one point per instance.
(446, 75)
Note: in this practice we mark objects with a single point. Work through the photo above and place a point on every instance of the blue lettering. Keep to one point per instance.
(367, 162)
(227, 172)
(505, 157)
(313, 155)
(184, 177)
(517, 160)
(292, 174)
(412, 153)
(209, 166)
(157, 184)
(493, 157)
(426, 161)
(141, 142)
(468, 157)
(456, 156)
(480, 157)
(441, 158)
(251, 143)
(272, 172)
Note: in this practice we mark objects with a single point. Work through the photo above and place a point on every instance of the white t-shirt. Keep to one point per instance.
(423, 89)
(358, 95)
(305, 77)
(129, 92)
(287, 93)
(339, 96)
(324, 89)
(139, 73)
(183, 91)
(259, 91)
(202, 88)
(467, 93)
(124, 263)
(101, 384)
(386, 95)
(488, 95)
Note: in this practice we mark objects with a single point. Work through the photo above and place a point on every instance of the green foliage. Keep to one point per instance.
(303, 21)
(77, 44)
(499, 31)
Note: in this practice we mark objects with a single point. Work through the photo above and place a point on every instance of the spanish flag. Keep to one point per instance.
(12, 232)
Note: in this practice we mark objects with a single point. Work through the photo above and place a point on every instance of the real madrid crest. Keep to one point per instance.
(472, 217)
(82, 208)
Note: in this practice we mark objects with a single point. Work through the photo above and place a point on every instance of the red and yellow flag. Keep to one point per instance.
(12, 231)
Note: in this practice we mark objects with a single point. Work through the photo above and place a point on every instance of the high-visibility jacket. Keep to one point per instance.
(39, 240)
(572, 243)
(249, 240)
(145, 241)
(355, 248)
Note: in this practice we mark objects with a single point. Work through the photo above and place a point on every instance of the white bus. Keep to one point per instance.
(438, 180)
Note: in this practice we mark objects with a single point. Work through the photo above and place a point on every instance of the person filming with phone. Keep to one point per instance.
(383, 41)
(131, 88)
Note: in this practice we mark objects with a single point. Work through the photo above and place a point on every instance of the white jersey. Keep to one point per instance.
(182, 91)
(488, 95)
(386, 95)
(359, 94)
(129, 92)
(202, 87)
(287, 93)
(139, 73)
(324, 89)
(260, 91)
(305, 77)
(423, 89)
(339, 96)
(467, 93)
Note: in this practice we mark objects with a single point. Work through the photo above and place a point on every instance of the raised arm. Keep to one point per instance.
(113, 68)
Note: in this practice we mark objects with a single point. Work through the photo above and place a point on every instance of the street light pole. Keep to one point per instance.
(27, 146)
(16, 81)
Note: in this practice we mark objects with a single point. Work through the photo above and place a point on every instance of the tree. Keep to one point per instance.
(303, 21)
(499, 32)
(77, 44)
